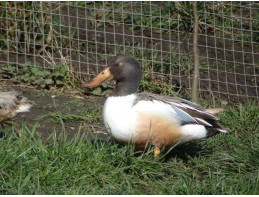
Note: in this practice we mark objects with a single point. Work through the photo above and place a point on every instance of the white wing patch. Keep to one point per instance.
(204, 122)
(185, 117)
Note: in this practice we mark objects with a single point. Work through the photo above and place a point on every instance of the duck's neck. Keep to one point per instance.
(124, 88)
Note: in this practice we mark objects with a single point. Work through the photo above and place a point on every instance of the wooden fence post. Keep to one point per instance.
(195, 54)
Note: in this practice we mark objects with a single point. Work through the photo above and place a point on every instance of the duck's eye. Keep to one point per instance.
(102, 73)
(120, 64)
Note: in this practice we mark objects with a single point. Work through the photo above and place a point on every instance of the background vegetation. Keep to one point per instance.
(58, 164)
(51, 34)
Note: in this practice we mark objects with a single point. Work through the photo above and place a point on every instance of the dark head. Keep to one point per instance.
(125, 70)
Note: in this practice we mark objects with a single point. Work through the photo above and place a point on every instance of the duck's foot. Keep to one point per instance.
(20, 133)
(156, 152)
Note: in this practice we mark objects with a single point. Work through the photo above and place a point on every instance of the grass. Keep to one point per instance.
(224, 164)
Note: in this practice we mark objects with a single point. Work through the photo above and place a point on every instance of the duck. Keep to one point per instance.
(149, 119)
(12, 103)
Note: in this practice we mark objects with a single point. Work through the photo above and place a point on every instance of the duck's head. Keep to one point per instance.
(125, 70)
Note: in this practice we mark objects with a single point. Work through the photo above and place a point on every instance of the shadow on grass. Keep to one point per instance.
(186, 151)
(183, 152)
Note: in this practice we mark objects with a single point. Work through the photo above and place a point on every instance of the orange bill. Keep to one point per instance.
(104, 75)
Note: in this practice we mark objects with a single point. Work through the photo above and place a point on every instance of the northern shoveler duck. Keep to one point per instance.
(144, 117)
(11, 105)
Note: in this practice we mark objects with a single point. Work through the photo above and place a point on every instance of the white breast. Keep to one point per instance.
(119, 117)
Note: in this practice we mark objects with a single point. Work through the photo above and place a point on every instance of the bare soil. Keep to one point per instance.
(43, 105)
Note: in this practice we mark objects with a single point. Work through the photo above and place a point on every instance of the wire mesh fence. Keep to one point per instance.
(84, 36)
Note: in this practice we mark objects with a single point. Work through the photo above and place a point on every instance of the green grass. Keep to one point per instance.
(224, 164)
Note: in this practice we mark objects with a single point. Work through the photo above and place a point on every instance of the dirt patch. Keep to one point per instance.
(53, 110)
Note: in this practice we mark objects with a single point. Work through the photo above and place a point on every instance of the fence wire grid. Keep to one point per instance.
(86, 35)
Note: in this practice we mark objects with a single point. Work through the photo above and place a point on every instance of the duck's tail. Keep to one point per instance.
(12, 103)
(23, 106)
(214, 111)
(217, 128)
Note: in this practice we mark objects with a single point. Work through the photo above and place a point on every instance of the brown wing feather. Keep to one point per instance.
(196, 111)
